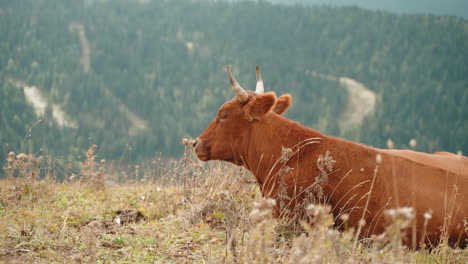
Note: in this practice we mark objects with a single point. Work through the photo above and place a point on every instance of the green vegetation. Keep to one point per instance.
(163, 62)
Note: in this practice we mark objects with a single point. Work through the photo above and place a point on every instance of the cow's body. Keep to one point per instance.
(445, 153)
(289, 163)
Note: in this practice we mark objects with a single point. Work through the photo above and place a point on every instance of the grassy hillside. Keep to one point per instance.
(139, 76)
(173, 213)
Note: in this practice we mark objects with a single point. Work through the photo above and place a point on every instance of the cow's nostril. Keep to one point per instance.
(195, 142)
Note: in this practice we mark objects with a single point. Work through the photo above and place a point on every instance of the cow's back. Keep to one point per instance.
(455, 164)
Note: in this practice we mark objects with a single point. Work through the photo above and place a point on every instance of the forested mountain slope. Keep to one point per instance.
(447, 7)
(137, 76)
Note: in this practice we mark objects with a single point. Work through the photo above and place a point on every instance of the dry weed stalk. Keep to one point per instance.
(221, 200)
(362, 221)
(189, 164)
(262, 235)
(312, 194)
(89, 176)
(427, 217)
(325, 165)
(23, 166)
(399, 221)
(321, 244)
(93, 172)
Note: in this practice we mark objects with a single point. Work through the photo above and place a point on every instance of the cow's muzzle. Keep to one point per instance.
(201, 150)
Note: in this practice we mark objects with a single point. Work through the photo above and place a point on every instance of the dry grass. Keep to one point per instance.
(173, 212)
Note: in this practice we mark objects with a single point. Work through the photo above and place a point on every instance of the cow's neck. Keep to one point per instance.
(269, 143)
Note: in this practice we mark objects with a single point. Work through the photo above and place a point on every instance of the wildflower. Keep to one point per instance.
(412, 143)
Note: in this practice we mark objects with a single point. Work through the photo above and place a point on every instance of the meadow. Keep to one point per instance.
(168, 211)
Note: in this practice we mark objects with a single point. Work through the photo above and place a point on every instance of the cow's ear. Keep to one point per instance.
(282, 104)
(262, 104)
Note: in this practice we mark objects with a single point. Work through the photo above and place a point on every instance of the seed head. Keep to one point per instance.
(362, 222)
(22, 156)
(428, 215)
(316, 210)
(320, 214)
(263, 210)
(390, 144)
(344, 217)
(379, 238)
(187, 142)
(286, 154)
(402, 215)
(378, 158)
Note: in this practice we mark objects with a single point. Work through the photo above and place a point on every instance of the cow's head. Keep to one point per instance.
(230, 130)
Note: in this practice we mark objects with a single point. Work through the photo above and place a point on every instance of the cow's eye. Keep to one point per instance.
(223, 116)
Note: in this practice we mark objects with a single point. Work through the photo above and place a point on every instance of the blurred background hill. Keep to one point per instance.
(448, 7)
(135, 77)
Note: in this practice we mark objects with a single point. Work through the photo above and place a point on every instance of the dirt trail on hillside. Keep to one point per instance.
(138, 124)
(39, 102)
(361, 103)
(361, 100)
(86, 51)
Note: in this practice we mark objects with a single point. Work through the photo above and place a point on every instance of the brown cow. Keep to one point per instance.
(296, 165)
(445, 153)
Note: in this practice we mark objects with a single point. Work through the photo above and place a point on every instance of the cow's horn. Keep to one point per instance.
(259, 89)
(242, 95)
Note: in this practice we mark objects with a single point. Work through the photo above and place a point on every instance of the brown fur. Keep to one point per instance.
(280, 154)
(445, 153)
